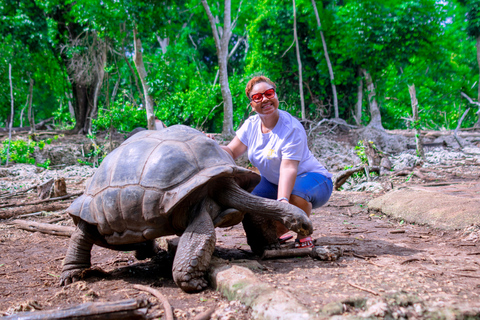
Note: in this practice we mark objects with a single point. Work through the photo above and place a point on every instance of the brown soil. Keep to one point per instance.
(389, 267)
(435, 268)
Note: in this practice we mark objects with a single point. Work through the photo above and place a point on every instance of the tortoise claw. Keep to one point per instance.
(194, 285)
(70, 276)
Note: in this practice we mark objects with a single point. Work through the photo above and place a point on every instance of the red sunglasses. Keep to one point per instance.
(269, 94)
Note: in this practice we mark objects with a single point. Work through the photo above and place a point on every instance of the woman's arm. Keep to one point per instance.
(235, 148)
(288, 175)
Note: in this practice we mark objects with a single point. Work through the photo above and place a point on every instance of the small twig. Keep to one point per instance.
(10, 195)
(30, 214)
(396, 231)
(376, 265)
(431, 258)
(160, 297)
(205, 315)
(466, 275)
(41, 201)
(410, 260)
(359, 256)
(363, 289)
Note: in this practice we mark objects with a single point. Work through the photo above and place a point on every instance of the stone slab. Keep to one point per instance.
(452, 206)
(239, 283)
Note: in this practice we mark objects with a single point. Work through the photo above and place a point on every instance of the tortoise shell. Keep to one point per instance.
(145, 188)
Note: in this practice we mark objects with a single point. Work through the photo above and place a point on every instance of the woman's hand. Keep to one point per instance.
(209, 135)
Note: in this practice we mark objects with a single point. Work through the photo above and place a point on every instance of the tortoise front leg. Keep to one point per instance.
(78, 254)
(194, 253)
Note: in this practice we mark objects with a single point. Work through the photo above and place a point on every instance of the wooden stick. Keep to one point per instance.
(125, 309)
(47, 207)
(9, 195)
(43, 228)
(363, 289)
(376, 265)
(41, 201)
(206, 315)
(466, 275)
(287, 253)
(410, 260)
(160, 297)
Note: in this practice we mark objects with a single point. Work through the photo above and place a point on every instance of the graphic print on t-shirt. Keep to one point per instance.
(269, 153)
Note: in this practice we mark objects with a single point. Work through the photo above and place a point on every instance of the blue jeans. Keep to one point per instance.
(311, 186)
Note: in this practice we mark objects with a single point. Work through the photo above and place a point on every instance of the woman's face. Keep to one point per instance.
(266, 106)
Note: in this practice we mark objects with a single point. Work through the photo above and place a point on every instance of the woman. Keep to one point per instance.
(277, 146)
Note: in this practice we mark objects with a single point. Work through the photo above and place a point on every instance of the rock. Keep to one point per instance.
(434, 206)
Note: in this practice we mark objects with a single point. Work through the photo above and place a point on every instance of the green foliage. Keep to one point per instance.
(122, 115)
(45, 165)
(21, 151)
(399, 42)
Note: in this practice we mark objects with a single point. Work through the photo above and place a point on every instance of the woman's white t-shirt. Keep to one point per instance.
(287, 140)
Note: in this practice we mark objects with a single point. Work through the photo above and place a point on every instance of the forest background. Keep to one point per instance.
(95, 65)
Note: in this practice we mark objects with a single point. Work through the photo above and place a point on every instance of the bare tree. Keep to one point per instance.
(299, 61)
(86, 69)
(222, 38)
(31, 122)
(101, 63)
(327, 59)
(478, 61)
(124, 55)
(359, 104)
(477, 125)
(11, 112)
(418, 136)
(376, 118)
(237, 45)
(138, 59)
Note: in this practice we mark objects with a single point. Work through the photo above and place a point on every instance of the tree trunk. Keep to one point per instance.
(102, 63)
(142, 73)
(83, 94)
(477, 125)
(163, 43)
(416, 125)
(478, 61)
(327, 59)
(10, 124)
(31, 122)
(70, 106)
(135, 78)
(222, 54)
(299, 61)
(228, 57)
(359, 104)
(376, 118)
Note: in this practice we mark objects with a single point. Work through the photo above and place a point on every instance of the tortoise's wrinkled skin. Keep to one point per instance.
(172, 181)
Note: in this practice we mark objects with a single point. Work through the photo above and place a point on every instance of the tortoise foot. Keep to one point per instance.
(193, 285)
(71, 276)
(74, 275)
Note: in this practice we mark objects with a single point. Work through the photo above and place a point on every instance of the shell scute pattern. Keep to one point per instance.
(176, 162)
(138, 185)
(131, 204)
(131, 162)
(111, 209)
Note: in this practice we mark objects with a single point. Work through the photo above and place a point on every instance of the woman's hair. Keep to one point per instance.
(254, 81)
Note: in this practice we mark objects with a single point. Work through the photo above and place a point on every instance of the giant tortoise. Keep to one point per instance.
(172, 181)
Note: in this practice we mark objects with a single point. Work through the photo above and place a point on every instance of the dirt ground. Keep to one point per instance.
(390, 268)
(420, 267)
